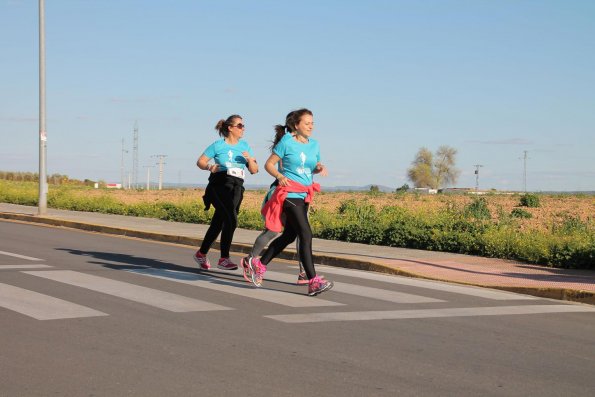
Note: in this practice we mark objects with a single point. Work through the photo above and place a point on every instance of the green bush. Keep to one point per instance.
(530, 200)
(521, 213)
(478, 209)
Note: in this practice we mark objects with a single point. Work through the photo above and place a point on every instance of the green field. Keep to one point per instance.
(468, 228)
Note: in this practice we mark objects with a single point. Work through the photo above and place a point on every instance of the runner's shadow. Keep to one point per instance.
(162, 269)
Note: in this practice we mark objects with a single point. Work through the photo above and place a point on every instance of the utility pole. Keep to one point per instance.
(43, 185)
(148, 167)
(525, 170)
(122, 164)
(135, 155)
(160, 157)
(477, 167)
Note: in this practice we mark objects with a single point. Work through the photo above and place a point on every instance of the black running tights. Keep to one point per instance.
(226, 200)
(296, 225)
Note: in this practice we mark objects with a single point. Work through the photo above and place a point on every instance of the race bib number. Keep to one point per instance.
(237, 172)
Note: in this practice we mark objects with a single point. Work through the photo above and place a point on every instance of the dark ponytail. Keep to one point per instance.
(279, 134)
(222, 126)
(280, 130)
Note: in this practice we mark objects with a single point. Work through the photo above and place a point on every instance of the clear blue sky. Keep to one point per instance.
(383, 78)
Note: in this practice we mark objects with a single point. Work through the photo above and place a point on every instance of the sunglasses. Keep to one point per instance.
(240, 126)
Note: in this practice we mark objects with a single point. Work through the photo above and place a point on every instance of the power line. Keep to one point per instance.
(524, 158)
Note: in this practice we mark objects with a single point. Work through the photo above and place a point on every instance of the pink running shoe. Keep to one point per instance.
(202, 260)
(318, 285)
(257, 271)
(246, 268)
(302, 279)
(226, 264)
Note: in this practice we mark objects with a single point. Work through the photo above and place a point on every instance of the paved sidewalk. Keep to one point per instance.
(576, 285)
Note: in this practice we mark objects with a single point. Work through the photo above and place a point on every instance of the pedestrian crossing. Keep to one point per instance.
(240, 288)
(358, 290)
(40, 306)
(429, 313)
(136, 293)
(275, 291)
(23, 257)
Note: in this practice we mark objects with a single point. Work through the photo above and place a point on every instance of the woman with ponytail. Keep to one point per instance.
(294, 160)
(231, 156)
(267, 235)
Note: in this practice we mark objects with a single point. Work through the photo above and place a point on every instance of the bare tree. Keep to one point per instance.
(444, 166)
(434, 170)
(420, 172)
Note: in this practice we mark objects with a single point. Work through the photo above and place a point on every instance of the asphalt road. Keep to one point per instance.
(85, 314)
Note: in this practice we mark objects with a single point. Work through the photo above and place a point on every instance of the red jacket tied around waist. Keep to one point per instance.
(274, 207)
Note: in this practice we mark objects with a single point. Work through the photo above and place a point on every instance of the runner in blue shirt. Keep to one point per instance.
(231, 157)
(300, 156)
(267, 235)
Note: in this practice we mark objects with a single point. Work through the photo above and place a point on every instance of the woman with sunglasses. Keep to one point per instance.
(300, 156)
(231, 156)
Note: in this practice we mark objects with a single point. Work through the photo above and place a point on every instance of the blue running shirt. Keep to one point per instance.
(299, 160)
(228, 156)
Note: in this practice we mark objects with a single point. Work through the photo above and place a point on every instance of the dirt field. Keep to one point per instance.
(554, 208)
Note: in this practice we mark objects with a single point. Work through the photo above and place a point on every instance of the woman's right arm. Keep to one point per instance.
(203, 164)
(271, 167)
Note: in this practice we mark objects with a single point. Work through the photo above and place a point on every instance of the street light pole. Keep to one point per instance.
(43, 186)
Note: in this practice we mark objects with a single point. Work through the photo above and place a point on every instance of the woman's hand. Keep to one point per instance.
(283, 181)
(213, 168)
(320, 169)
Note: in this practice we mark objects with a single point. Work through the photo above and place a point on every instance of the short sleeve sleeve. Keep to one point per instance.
(280, 148)
(210, 151)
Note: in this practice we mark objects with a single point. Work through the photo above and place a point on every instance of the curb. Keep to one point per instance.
(335, 261)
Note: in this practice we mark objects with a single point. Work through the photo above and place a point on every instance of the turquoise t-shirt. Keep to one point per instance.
(299, 160)
(228, 156)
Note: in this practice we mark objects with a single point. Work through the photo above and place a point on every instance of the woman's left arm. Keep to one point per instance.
(251, 163)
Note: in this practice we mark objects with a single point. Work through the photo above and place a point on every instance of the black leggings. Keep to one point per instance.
(296, 225)
(226, 199)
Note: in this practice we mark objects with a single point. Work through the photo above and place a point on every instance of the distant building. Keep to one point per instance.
(423, 190)
(457, 190)
(113, 185)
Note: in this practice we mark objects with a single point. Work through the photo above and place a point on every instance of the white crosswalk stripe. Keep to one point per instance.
(13, 267)
(40, 306)
(241, 288)
(29, 258)
(136, 293)
(368, 292)
(427, 284)
(430, 313)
